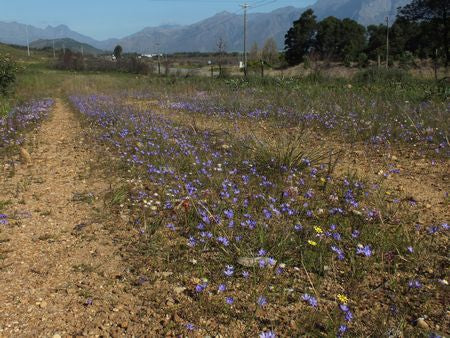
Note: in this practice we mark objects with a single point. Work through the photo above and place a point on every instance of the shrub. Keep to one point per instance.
(406, 60)
(363, 60)
(8, 70)
(375, 75)
(348, 60)
(71, 61)
(133, 65)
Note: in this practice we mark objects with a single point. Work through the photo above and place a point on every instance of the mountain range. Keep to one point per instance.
(202, 36)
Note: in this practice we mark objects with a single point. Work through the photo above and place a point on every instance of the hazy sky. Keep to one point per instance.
(103, 19)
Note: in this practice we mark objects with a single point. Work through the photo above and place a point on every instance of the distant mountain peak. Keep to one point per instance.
(223, 13)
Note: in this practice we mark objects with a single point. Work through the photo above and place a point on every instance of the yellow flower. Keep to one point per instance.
(312, 243)
(342, 298)
(322, 180)
(318, 230)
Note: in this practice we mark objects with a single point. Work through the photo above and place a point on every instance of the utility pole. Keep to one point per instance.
(28, 41)
(245, 6)
(212, 69)
(435, 64)
(387, 42)
(54, 54)
(159, 62)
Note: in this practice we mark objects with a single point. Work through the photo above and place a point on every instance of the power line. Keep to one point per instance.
(28, 41)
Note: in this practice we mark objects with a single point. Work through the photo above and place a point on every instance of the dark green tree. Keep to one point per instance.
(377, 41)
(328, 37)
(432, 15)
(300, 38)
(352, 39)
(409, 36)
(118, 52)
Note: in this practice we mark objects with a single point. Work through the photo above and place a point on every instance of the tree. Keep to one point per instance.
(299, 40)
(118, 52)
(221, 49)
(435, 13)
(406, 35)
(270, 51)
(352, 40)
(377, 41)
(328, 37)
(254, 53)
(340, 39)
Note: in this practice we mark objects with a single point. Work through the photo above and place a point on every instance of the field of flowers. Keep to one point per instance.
(263, 235)
(21, 119)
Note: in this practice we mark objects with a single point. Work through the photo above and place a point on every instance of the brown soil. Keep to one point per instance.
(57, 255)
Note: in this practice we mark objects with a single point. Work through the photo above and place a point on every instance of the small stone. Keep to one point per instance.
(124, 325)
(179, 289)
(421, 323)
(252, 262)
(56, 335)
(293, 325)
(25, 155)
(43, 305)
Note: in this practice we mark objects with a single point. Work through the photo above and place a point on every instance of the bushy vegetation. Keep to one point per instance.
(8, 70)
(74, 61)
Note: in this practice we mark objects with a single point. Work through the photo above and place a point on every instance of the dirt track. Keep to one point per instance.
(60, 273)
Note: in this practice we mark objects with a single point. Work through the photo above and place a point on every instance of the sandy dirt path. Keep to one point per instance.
(60, 271)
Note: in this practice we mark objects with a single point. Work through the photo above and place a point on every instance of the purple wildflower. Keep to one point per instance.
(355, 234)
(171, 226)
(338, 251)
(348, 314)
(310, 299)
(262, 252)
(229, 271)
(201, 287)
(414, 284)
(364, 250)
(229, 213)
(192, 241)
(267, 334)
(3, 219)
(262, 301)
(298, 227)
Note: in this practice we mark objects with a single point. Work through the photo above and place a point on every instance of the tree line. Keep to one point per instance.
(420, 30)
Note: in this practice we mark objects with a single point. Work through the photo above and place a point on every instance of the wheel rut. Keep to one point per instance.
(60, 270)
